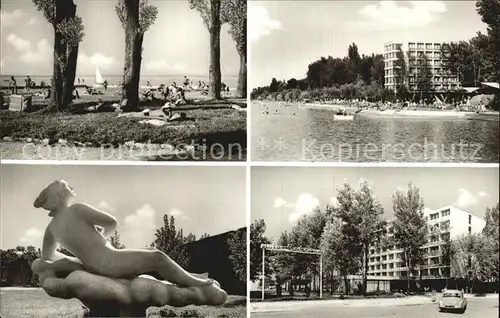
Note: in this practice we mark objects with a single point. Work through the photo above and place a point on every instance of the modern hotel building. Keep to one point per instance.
(442, 80)
(445, 223)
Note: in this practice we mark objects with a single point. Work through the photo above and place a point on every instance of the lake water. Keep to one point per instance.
(290, 133)
(232, 81)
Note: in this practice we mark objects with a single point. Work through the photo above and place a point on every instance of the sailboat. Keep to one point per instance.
(99, 80)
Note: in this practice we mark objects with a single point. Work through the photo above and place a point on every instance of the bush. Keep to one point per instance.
(191, 313)
(167, 312)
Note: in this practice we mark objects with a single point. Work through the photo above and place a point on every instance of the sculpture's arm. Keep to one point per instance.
(49, 251)
(99, 218)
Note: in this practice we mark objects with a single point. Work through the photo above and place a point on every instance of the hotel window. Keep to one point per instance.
(470, 230)
(470, 219)
(437, 46)
(445, 212)
(434, 216)
(445, 225)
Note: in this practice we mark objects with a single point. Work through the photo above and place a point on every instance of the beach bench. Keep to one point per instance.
(20, 102)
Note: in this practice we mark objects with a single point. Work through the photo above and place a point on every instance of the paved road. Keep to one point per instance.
(476, 308)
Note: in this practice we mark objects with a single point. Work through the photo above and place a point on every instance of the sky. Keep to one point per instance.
(282, 195)
(286, 36)
(177, 44)
(202, 199)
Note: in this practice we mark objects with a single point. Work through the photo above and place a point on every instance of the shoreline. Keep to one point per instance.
(415, 114)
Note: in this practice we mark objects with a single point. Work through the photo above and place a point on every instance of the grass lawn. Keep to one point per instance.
(207, 127)
(21, 303)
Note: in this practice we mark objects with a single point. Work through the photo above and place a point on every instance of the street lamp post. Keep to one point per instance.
(263, 270)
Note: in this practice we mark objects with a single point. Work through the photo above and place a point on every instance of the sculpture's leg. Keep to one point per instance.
(160, 294)
(128, 262)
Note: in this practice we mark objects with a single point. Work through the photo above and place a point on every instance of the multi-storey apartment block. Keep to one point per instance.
(445, 223)
(442, 80)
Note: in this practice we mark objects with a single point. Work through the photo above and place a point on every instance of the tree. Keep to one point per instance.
(68, 33)
(210, 11)
(234, 12)
(292, 83)
(238, 253)
(15, 266)
(274, 86)
(424, 76)
(489, 10)
(205, 235)
(491, 232)
(171, 241)
(136, 17)
(115, 241)
(257, 238)
(491, 229)
(361, 217)
(340, 250)
(400, 69)
(474, 258)
(409, 227)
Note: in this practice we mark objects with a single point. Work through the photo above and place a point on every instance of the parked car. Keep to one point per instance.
(453, 300)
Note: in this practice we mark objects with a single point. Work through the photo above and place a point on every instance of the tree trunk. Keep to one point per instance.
(63, 59)
(365, 268)
(133, 56)
(242, 76)
(346, 285)
(69, 76)
(214, 72)
(56, 99)
(408, 272)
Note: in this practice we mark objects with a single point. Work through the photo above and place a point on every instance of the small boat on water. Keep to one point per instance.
(343, 117)
(99, 80)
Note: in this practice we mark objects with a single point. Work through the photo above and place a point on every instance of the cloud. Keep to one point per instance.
(18, 43)
(32, 236)
(466, 199)
(42, 53)
(139, 228)
(161, 66)
(260, 24)
(178, 214)
(9, 19)
(279, 202)
(394, 14)
(106, 206)
(97, 59)
(31, 22)
(305, 204)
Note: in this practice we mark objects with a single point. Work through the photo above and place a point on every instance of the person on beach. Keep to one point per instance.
(105, 84)
(74, 226)
(13, 85)
(27, 84)
(186, 82)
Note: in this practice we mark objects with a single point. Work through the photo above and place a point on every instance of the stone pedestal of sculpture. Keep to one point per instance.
(111, 297)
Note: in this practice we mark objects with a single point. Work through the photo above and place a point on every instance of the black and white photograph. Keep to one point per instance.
(135, 80)
(375, 81)
(123, 241)
(370, 242)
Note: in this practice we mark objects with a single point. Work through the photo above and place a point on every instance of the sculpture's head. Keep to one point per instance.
(56, 195)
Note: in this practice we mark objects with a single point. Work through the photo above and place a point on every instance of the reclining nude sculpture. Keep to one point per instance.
(110, 282)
